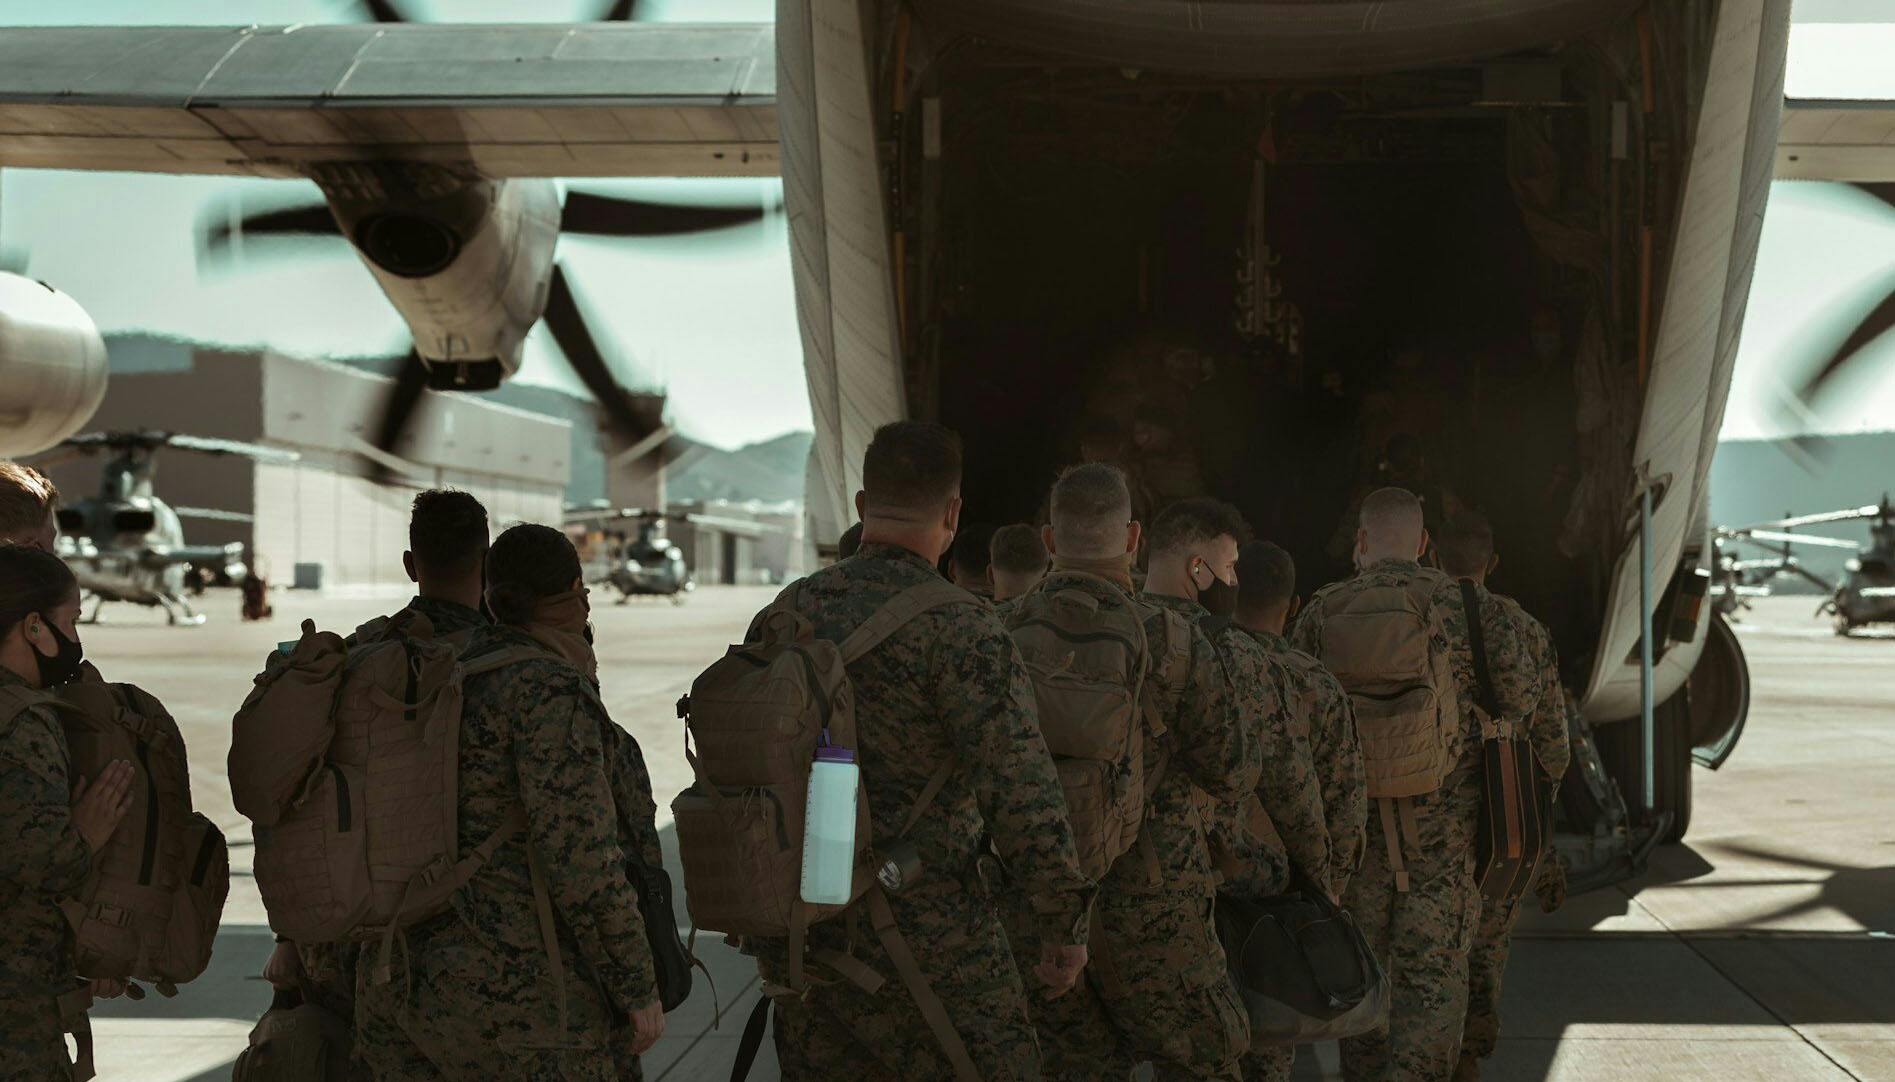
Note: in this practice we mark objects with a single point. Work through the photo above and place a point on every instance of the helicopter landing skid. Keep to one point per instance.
(178, 611)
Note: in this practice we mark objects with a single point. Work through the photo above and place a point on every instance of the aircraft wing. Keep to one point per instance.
(592, 99)
(1837, 139)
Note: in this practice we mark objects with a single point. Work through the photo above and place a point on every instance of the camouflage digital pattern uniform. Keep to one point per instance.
(476, 997)
(42, 858)
(949, 686)
(1423, 935)
(1317, 699)
(1158, 988)
(1546, 731)
(329, 968)
(1288, 787)
(638, 837)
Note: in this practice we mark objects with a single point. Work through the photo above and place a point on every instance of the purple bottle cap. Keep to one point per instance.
(834, 753)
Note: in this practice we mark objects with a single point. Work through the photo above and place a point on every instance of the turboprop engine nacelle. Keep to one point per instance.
(52, 366)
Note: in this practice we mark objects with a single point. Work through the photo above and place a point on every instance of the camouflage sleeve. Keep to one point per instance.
(1211, 740)
(44, 853)
(631, 791)
(565, 784)
(1287, 784)
(1306, 633)
(1546, 726)
(988, 714)
(1346, 789)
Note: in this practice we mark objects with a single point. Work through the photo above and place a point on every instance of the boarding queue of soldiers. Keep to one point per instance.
(1016, 924)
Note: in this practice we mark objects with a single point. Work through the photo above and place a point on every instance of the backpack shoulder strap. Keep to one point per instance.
(498, 659)
(896, 612)
(1477, 645)
(16, 700)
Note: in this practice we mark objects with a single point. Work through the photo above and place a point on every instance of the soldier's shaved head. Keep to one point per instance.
(1466, 545)
(1091, 509)
(911, 488)
(1391, 527)
(1018, 560)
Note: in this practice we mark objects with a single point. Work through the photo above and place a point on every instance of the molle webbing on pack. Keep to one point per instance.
(1378, 641)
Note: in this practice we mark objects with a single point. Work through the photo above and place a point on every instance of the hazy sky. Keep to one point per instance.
(712, 318)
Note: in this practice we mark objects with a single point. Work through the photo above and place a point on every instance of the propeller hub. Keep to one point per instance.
(407, 244)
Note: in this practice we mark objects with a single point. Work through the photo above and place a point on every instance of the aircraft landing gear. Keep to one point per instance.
(178, 611)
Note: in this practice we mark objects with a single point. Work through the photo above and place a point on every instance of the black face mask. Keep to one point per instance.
(1219, 597)
(62, 667)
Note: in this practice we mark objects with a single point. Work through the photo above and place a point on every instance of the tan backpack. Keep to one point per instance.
(1090, 663)
(756, 717)
(1379, 643)
(371, 843)
(149, 909)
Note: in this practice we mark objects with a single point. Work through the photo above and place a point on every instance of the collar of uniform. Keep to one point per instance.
(456, 612)
(11, 679)
(882, 550)
(1392, 564)
(1269, 640)
(1177, 604)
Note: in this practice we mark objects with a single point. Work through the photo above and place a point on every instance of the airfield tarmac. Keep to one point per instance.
(1763, 948)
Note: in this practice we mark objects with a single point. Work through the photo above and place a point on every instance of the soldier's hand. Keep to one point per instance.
(107, 988)
(1059, 968)
(285, 967)
(648, 1024)
(98, 808)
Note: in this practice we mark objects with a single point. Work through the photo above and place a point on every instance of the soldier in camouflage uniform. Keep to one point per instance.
(1017, 556)
(1266, 598)
(1159, 989)
(1423, 934)
(1466, 549)
(475, 994)
(447, 546)
(949, 686)
(51, 829)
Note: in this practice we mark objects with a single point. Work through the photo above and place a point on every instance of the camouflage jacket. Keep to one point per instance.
(535, 733)
(43, 856)
(1317, 699)
(950, 687)
(1546, 725)
(1515, 678)
(1507, 662)
(446, 617)
(1211, 752)
(1286, 784)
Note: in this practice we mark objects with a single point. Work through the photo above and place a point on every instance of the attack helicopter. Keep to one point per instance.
(1866, 593)
(126, 544)
(632, 553)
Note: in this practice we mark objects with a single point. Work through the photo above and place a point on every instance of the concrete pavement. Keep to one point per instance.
(1761, 949)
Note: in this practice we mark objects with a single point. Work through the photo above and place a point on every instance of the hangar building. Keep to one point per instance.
(319, 522)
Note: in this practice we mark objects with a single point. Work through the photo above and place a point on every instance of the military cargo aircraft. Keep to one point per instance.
(988, 197)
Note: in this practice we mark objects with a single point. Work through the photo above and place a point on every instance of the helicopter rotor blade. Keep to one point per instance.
(1787, 539)
(616, 216)
(1846, 515)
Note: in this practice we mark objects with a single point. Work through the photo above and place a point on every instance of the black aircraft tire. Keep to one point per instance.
(1619, 747)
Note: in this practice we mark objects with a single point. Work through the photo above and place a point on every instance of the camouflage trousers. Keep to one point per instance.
(836, 1030)
(1486, 963)
(34, 1046)
(1422, 937)
(1157, 990)
(462, 1013)
(1269, 1062)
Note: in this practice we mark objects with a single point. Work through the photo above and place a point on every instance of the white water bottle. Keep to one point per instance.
(829, 827)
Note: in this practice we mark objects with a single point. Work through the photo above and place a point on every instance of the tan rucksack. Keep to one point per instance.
(1379, 643)
(149, 909)
(371, 842)
(1090, 663)
(756, 717)
(296, 1041)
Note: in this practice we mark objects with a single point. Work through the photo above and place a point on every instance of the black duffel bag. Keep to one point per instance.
(670, 956)
(1301, 967)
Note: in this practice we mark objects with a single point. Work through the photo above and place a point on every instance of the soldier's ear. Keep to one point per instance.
(1132, 533)
(1296, 606)
(860, 504)
(408, 565)
(1046, 538)
(1493, 562)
